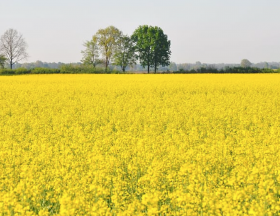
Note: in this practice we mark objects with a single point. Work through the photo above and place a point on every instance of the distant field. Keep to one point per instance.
(140, 144)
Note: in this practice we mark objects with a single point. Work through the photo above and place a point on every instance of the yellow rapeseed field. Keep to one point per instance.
(140, 144)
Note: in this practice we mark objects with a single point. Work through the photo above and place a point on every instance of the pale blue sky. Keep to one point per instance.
(210, 31)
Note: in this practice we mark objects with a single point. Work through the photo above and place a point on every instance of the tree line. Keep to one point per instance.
(243, 70)
(148, 45)
(138, 68)
(84, 69)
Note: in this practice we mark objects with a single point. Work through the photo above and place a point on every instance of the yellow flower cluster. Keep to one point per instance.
(140, 145)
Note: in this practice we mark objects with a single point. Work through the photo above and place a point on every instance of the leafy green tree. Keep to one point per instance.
(142, 37)
(91, 54)
(107, 40)
(125, 53)
(3, 59)
(245, 63)
(161, 49)
(152, 46)
(13, 46)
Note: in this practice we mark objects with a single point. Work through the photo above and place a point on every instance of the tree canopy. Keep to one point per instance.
(148, 44)
(91, 53)
(245, 63)
(125, 53)
(152, 46)
(107, 40)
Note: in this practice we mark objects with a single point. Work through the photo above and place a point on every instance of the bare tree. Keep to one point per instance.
(13, 46)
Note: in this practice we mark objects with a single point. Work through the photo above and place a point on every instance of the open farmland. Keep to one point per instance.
(140, 144)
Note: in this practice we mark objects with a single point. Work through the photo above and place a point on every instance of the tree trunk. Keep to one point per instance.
(123, 67)
(11, 65)
(155, 67)
(106, 64)
(149, 62)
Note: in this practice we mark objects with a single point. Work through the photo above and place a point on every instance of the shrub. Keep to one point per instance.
(22, 71)
(83, 69)
(6, 71)
(229, 70)
(45, 71)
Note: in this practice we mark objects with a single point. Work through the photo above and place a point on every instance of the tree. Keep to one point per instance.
(38, 64)
(152, 46)
(173, 66)
(197, 65)
(245, 63)
(2, 60)
(266, 65)
(125, 53)
(107, 40)
(91, 54)
(161, 49)
(13, 46)
(142, 37)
